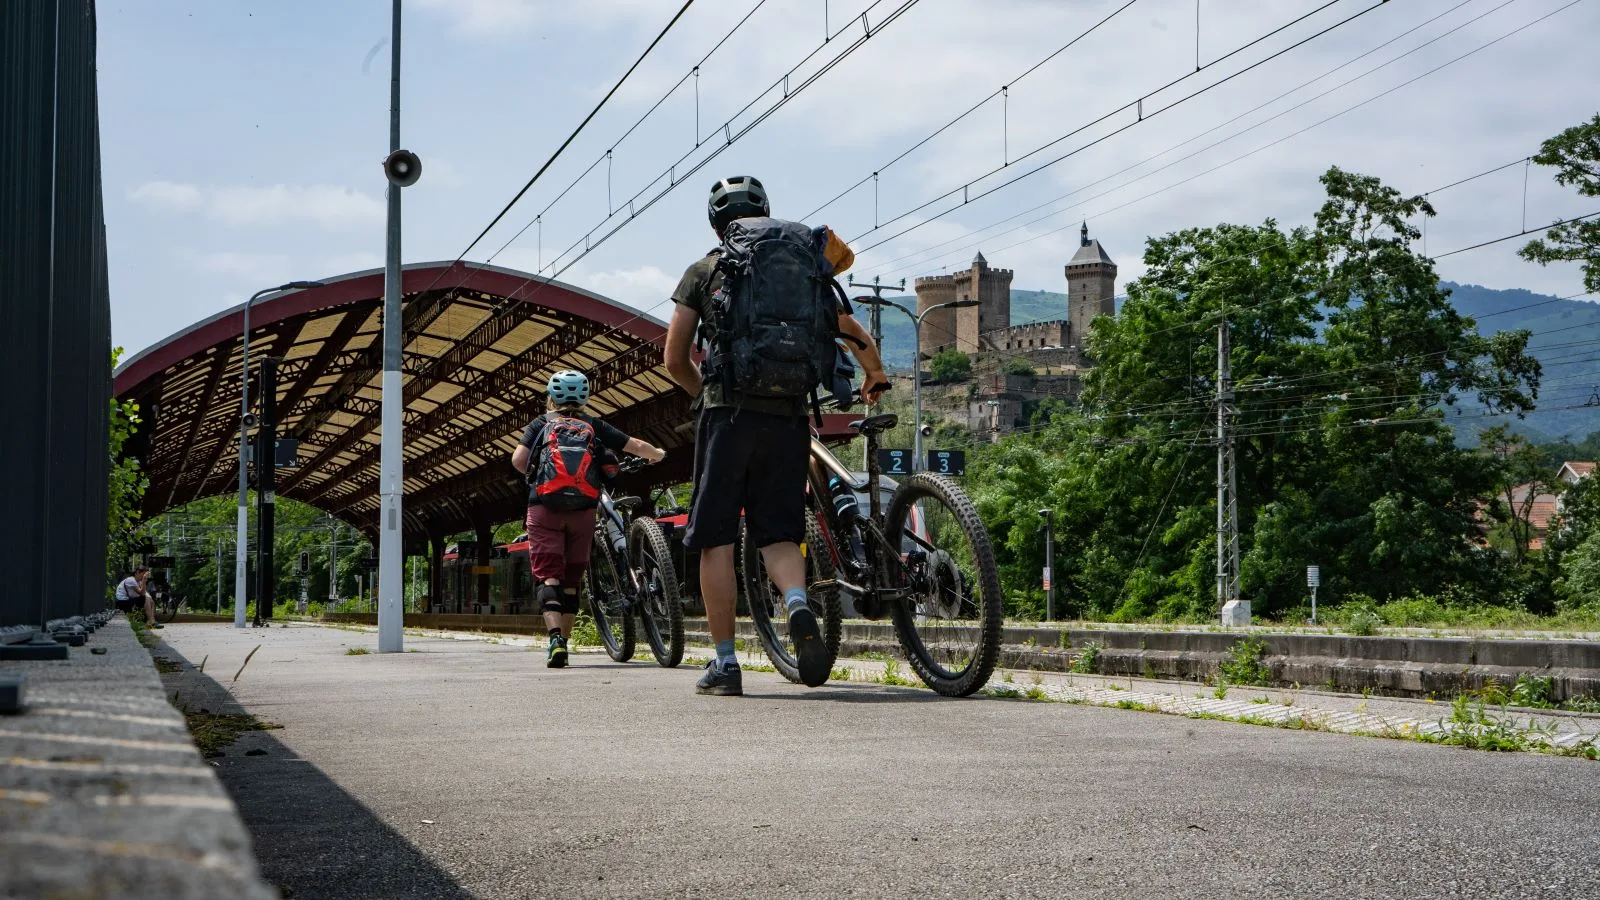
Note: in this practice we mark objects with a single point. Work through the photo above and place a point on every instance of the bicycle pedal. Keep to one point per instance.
(837, 584)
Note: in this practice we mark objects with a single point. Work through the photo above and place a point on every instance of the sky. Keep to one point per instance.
(242, 140)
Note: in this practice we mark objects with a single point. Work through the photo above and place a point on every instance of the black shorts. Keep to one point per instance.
(749, 462)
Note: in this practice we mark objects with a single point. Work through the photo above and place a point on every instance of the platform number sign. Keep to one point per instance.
(947, 462)
(894, 462)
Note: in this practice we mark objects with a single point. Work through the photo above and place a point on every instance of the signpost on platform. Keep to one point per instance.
(1049, 563)
(1313, 581)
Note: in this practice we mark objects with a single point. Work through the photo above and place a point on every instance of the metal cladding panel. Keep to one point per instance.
(54, 311)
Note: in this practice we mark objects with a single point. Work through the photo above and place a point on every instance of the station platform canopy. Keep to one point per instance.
(479, 343)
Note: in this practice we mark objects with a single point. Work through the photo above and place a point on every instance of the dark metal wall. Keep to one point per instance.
(55, 315)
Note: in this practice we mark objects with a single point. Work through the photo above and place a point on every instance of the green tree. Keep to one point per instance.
(125, 486)
(1346, 355)
(1521, 476)
(949, 366)
(1575, 155)
(1017, 365)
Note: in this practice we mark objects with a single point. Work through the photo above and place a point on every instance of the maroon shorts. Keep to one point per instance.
(559, 544)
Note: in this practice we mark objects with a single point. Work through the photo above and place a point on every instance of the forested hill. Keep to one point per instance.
(1566, 339)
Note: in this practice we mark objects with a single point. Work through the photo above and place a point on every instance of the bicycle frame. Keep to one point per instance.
(883, 569)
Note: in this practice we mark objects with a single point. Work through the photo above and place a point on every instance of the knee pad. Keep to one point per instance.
(548, 596)
(569, 600)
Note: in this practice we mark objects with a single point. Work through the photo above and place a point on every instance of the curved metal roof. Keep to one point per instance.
(479, 343)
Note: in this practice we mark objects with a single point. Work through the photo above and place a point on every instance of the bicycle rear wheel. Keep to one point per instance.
(167, 610)
(607, 604)
(949, 618)
(659, 610)
(770, 614)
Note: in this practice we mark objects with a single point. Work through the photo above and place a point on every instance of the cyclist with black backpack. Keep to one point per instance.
(767, 311)
(564, 454)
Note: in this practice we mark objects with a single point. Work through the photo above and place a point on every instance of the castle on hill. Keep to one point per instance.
(1002, 397)
(986, 328)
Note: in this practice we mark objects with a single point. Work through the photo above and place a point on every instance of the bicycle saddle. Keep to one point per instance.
(626, 504)
(877, 424)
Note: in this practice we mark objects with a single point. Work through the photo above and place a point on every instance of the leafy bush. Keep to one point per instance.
(1017, 365)
(950, 366)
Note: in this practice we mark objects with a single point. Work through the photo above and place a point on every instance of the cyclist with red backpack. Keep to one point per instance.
(770, 315)
(563, 454)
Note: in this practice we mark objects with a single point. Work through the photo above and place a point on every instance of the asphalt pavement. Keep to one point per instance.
(468, 769)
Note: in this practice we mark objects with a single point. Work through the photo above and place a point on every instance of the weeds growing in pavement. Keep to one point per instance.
(584, 633)
(891, 675)
(1244, 663)
(214, 731)
(164, 665)
(1085, 663)
(357, 651)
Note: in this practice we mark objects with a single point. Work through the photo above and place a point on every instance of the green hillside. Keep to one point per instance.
(1566, 338)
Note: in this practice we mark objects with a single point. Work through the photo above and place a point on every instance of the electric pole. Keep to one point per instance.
(1234, 611)
(875, 318)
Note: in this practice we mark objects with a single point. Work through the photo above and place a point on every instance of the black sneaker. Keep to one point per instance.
(721, 681)
(809, 650)
(157, 625)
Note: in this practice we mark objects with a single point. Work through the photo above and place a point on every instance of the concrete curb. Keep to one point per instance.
(102, 792)
(1407, 666)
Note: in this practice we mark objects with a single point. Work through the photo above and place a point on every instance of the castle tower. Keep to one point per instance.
(976, 326)
(939, 328)
(1091, 287)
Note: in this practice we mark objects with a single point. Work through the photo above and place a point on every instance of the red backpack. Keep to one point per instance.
(567, 474)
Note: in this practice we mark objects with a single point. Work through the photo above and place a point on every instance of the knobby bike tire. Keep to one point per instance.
(764, 602)
(659, 609)
(609, 614)
(961, 683)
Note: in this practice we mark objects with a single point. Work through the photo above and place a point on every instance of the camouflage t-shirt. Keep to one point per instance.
(700, 281)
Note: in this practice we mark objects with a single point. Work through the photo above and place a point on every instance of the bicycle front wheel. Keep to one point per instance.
(659, 610)
(948, 618)
(167, 610)
(770, 614)
(607, 603)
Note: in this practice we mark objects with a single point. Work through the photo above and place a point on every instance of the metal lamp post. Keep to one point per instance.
(241, 553)
(916, 361)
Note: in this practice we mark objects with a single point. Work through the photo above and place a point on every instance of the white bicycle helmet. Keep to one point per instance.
(568, 388)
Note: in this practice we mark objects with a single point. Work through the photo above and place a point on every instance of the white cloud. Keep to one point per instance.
(327, 206)
(500, 18)
(167, 195)
(646, 288)
(243, 265)
(357, 261)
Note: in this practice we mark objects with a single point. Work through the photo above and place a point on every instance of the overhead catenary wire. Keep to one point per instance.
(964, 190)
(675, 177)
(998, 92)
(1345, 111)
(880, 269)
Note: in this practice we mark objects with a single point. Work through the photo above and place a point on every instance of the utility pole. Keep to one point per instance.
(333, 563)
(875, 318)
(402, 169)
(266, 486)
(1234, 611)
(219, 576)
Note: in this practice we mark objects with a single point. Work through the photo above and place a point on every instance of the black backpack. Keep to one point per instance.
(775, 320)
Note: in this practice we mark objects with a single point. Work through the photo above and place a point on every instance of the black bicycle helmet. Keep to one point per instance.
(738, 197)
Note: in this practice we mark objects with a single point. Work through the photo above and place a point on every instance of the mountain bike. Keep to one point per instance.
(630, 572)
(925, 562)
(167, 604)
